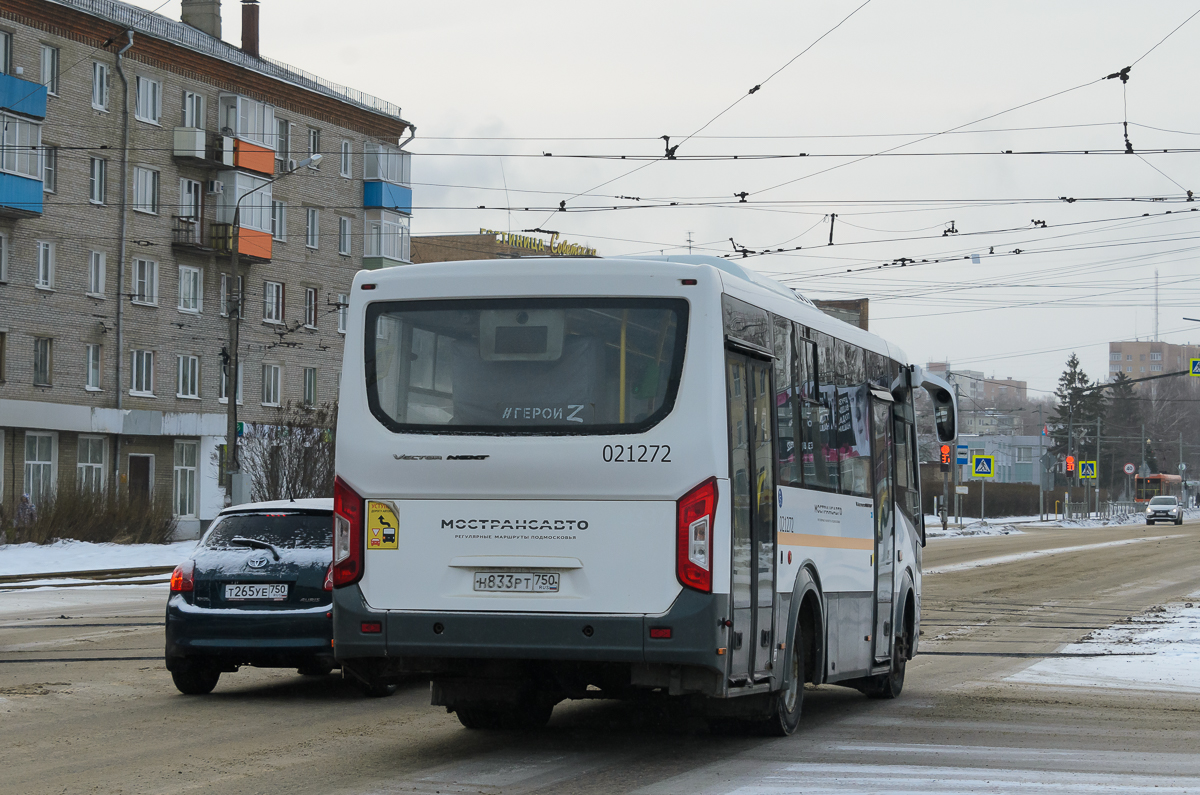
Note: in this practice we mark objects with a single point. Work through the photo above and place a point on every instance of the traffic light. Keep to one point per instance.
(1070, 465)
(945, 458)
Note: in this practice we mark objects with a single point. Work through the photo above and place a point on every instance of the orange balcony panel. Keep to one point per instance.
(253, 157)
(254, 243)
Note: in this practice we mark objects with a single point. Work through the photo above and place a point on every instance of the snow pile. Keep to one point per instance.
(973, 529)
(69, 555)
(1157, 650)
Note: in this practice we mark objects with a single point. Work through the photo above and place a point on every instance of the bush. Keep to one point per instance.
(291, 458)
(107, 516)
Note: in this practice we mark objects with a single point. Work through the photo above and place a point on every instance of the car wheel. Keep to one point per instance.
(315, 669)
(1148, 522)
(196, 681)
(1179, 521)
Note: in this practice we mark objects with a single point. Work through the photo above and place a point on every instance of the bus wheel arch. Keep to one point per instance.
(808, 603)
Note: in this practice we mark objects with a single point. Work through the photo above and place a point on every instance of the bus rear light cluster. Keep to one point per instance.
(696, 513)
(347, 535)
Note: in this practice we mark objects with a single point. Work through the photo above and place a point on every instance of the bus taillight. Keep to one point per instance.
(347, 535)
(696, 513)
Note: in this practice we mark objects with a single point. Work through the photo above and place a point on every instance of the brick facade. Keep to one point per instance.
(73, 319)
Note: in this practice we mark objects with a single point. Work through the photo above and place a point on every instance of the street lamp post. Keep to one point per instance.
(234, 305)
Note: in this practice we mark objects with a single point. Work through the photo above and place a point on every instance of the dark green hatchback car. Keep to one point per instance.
(257, 591)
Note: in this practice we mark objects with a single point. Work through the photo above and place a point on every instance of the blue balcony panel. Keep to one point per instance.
(20, 197)
(22, 96)
(386, 196)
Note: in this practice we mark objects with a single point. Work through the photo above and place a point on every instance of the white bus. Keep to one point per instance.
(593, 478)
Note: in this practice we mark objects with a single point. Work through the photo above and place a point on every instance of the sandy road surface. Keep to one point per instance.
(100, 724)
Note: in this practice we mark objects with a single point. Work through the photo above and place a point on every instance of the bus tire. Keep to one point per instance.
(889, 685)
(785, 715)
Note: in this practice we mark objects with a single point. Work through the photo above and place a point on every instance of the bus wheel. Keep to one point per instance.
(785, 716)
(890, 684)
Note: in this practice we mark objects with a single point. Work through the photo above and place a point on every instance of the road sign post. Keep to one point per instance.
(983, 466)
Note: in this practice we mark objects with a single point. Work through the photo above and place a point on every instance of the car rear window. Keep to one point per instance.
(524, 366)
(283, 530)
(1162, 501)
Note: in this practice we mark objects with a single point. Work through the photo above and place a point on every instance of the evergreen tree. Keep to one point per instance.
(1124, 420)
(1079, 403)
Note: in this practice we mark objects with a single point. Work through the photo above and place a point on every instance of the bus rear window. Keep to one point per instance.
(534, 366)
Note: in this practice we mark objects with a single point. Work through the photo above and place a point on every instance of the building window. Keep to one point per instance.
(344, 236)
(5, 52)
(223, 396)
(99, 85)
(1156, 368)
(39, 465)
(310, 386)
(1115, 356)
(43, 360)
(273, 302)
(189, 377)
(189, 199)
(3, 257)
(50, 68)
(45, 265)
(343, 305)
(149, 100)
(271, 377)
(345, 170)
(98, 181)
(20, 146)
(248, 118)
(279, 220)
(228, 299)
(89, 468)
(145, 190)
(1024, 455)
(1129, 357)
(387, 163)
(311, 228)
(1155, 356)
(1129, 369)
(186, 456)
(145, 282)
(310, 307)
(193, 110)
(92, 376)
(314, 144)
(282, 142)
(141, 371)
(50, 169)
(386, 235)
(1116, 368)
(190, 289)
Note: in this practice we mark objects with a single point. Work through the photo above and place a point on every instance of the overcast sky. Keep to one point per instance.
(488, 84)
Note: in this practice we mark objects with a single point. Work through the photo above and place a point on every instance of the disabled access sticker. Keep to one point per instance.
(381, 526)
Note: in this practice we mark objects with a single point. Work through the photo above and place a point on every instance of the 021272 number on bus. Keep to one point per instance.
(637, 454)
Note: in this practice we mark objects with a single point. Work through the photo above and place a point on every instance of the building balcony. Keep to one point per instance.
(22, 96)
(387, 196)
(20, 197)
(253, 245)
(188, 233)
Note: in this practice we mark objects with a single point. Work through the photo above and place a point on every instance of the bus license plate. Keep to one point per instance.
(259, 591)
(516, 581)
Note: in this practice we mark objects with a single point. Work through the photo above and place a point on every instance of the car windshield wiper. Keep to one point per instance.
(255, 543)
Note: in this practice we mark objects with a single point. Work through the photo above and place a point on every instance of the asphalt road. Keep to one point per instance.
(97, 712)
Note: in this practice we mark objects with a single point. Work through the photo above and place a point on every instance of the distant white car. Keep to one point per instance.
(1164, 509)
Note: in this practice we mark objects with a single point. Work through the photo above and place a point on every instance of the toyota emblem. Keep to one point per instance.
(256, 563)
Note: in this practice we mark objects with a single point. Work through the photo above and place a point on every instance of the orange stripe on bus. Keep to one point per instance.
(828, 542)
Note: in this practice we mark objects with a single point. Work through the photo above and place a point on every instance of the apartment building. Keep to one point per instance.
(1140, 359)
(128, 140)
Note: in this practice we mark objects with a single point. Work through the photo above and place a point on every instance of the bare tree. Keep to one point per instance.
(292, 458)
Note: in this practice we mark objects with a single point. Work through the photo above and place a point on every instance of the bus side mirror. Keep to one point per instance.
(943, 415)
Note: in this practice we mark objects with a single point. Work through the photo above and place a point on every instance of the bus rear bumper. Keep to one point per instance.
(431, 642)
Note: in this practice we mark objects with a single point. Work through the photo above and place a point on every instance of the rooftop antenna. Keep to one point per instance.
(1156, 304)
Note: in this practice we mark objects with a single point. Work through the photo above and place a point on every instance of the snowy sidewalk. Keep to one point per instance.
(1157, 650)
(64, 556)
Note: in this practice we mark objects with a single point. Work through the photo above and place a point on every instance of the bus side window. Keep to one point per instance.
(824, 415)
(788, 468)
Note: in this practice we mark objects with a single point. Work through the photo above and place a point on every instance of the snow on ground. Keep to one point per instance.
(994, 527)
(1039, 553)
(1157, 650)
(64, 556)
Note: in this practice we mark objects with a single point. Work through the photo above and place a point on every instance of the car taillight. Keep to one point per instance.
(184, 577)
(696, 513)
(329, 578)
(347, 535)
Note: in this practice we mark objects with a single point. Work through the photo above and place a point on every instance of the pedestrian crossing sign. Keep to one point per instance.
(1087, 469)
(1195, 367)
(983, 466)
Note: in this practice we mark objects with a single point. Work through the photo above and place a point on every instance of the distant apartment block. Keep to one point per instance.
(1140, 359)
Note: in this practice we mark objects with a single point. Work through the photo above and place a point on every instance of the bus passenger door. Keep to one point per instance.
(885, 523)
(752, 482)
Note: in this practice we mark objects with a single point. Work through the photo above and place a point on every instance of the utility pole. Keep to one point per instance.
(957, 468)
(1070, 440)
(1041, 469)
(1097, 466)
(1182, 471)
